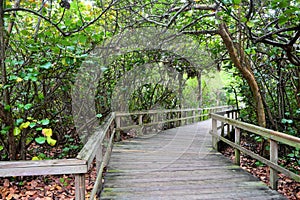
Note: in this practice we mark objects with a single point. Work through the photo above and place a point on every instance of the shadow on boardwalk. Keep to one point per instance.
(178, 164)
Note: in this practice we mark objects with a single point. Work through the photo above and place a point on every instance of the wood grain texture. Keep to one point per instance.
(178, 163)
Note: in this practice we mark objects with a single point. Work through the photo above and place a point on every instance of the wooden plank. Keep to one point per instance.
(88, 151)
(42, 167)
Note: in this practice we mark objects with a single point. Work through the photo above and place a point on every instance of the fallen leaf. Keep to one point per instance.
(298, 195)
(6, 183)
(30, 193)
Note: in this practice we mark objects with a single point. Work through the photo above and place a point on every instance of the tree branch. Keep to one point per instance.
(56, 25)
(195, 7)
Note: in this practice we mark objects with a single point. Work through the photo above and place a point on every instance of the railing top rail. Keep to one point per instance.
(267, 133)
(88, 151)
(124, 114)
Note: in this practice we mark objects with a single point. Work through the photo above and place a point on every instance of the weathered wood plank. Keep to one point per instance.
(89, 150)
(42, 167)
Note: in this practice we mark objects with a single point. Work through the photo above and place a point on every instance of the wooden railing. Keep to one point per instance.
(96, 147)
(99, 146)
(273, 136)
(168, 118)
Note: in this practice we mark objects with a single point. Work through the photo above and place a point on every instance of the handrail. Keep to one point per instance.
(181, 117)
(273, 136)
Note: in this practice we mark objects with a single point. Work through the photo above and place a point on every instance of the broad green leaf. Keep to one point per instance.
(19, 121)
(19, 80)
(32, 124)
(51, 141)
(47, 132)
(283, 19)
(1, 147)
(28, 106)
(250, 24)
(47, 65)
(24, 125)
(17, 131)
(99, 115)
(7, 107)
(45, 122)
(283, 3)
(236, 2)
(35, 158)
(40, 140)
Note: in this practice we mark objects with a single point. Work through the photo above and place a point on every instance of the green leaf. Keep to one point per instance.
(250, 24)
(99, 115)
(283, 19)
(45, 122)
(47, 132)
(19, 121)
(283, 4)
(236, 2)
(32, 124)
(7, 107)
(35, 158)
(47, 65)
(51, 141)
(28, 106)
(24, 125)
(17, 131)
(1, 147)
(40, 140)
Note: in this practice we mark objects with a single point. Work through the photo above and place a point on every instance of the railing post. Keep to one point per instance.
(228, 126)
(79, 186)
(237, 152)
(215, 131)
(118, 126)
(222, 129)
(274, 159)
(194, 114)
(141, 123)
(99, 157)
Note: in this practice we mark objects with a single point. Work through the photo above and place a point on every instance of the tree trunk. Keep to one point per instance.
(244, 66)
(6, 116)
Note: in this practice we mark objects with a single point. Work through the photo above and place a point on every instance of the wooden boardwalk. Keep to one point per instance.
(178, 164)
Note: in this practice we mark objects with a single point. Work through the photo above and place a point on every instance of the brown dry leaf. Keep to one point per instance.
(30, 193)
(298, 195)
(33, 183)
(6, 183)
(9, 197)
(58, 187)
